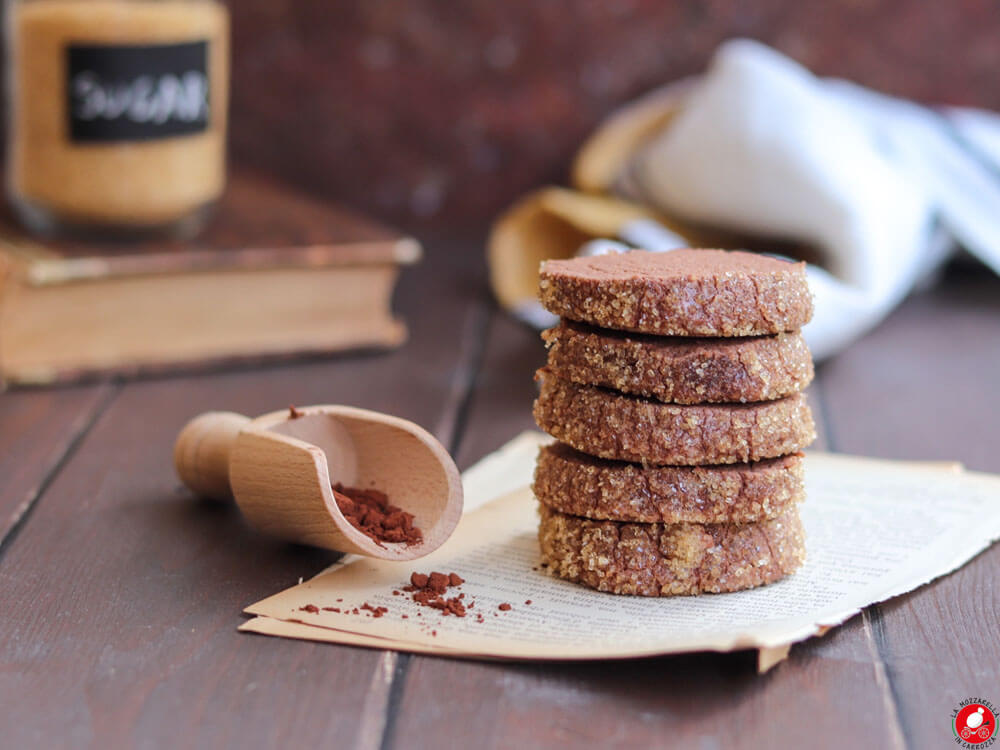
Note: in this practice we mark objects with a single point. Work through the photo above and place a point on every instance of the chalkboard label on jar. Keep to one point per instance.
(137, 92)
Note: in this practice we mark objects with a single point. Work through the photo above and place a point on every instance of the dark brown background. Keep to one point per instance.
(436, 114)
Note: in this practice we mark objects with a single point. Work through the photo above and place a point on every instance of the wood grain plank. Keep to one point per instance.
(704, 700)
(828, 694)
(122, 594)
(503, 389)
(37, 429)
(924, 386)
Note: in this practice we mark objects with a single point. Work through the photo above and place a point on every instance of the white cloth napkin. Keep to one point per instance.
(882, 186)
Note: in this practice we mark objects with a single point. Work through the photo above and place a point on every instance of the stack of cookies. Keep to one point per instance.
(673, 386)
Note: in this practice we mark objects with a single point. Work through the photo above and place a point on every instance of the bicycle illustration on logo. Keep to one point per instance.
(977, 725)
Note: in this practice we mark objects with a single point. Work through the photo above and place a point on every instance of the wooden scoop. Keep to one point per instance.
(279, 468)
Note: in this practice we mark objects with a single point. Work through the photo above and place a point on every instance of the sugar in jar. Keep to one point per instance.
(116, 114)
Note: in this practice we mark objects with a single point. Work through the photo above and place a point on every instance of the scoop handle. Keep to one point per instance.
(201, 453)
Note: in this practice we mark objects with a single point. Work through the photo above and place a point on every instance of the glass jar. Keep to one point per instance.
(116, 115)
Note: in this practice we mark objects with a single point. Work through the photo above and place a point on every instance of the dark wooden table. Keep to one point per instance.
(120, 595)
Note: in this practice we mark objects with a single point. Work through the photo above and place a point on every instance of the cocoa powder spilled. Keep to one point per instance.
(371, 513)
(376, 611)
(429, 590)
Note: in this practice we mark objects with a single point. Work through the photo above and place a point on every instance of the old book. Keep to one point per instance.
(275, 274)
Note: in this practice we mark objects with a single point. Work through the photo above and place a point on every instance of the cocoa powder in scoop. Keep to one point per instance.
(371, 513)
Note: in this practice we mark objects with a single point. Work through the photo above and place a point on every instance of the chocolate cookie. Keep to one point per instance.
(680, 292)
(681, 370)
(572, 482)
(652, 559)
(629, 428)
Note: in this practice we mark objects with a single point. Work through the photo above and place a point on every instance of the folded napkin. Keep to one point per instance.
(880, 188)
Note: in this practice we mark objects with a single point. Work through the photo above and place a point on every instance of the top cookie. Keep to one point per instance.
(680, 292)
